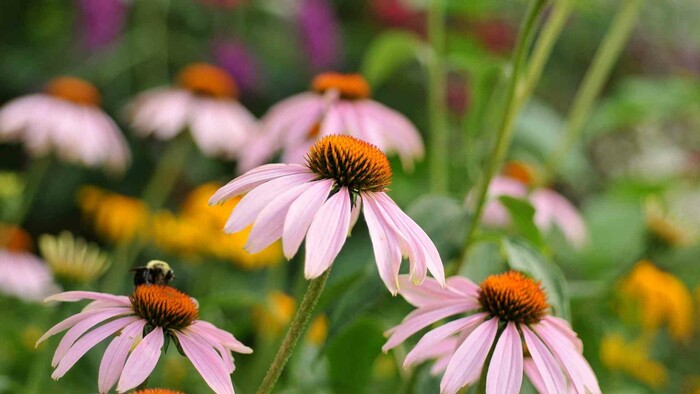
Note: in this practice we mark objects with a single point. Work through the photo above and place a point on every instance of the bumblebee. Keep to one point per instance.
(156, 272)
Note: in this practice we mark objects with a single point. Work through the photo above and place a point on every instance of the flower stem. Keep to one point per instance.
(35, 175)
(155, 194)
(296, 329)
(504, 135)
(439, 128)
(597, 74)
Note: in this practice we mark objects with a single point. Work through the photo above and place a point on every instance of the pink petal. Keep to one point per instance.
(301, 213)
(505, 373)
(220, 335)
(113, 360)
(421, 318)
(72, 296)
(430, 340)
(255, 178)
(431, 292)
(88, 341)
(207, 341)
(548, 372)
(327, 233)
(270, 222)
(565, 329)
(387, 252)
(208, 363)
(535, 378)
(70, 322)
(468, 361)
(256, 200)
(332, 122)
(355, 214)
(552, 207)
(142, 361)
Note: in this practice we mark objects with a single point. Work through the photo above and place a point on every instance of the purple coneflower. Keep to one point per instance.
(205, 103)
(159, 314)
(102, 21)
(25, 276)
(319, 33)
(499, 314)
(321, 200)
(65, 120)
(339, 103)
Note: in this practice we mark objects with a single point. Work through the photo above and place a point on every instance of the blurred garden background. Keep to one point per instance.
(625, 153)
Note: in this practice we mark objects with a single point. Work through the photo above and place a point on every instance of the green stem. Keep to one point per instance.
(543, 48)
(595, 78)
(155, 194)
(505, 131)
(40, 367)
(296, 329)
(35, 175)
(437, 96)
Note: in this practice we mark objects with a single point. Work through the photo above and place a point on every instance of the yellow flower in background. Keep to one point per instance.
(272, 318)
(666, 226)
(73, 258)
(178, 235)
(658, 298)
(115, 217)
(633, 359)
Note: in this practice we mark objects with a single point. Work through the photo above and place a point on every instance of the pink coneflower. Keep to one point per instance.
(551, 208)
(205, 103)
(25, 276)
(499, 312)
(161, 314)
(65, 120)
(321, 200)
(101, 21)
(339, 103)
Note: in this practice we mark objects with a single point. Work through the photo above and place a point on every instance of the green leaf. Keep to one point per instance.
(522, 215)
(352, 355)
(522, 257)
(445, 221)
(389, 52)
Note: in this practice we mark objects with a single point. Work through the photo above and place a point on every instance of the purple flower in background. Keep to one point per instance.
(319, 33)
(240, 62)
(101, 21)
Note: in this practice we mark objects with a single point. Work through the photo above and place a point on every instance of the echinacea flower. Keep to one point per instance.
(161, 314)
(25, 276)
(338, 104)
(551, 208)
(493, 318)
(205, 102)
(65, 120)
(321, 201)
(73, 258)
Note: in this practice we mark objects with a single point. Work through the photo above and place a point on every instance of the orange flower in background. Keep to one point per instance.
(115, 217)
(272, 317)
(633, 359)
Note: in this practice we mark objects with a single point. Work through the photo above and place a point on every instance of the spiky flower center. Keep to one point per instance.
(164, 306)
(73, 89)
(207, 80)
(157, 391)
(350, 86)
(351, 162)
(512, 296)
(520, 171)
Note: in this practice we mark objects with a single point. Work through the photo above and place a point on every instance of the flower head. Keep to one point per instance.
(65, 120)
(158, 313)
(654, 298)
(203, 101)
(551, 208)
(320, 201)
(496, 317)
(337, 103)
(73, 258)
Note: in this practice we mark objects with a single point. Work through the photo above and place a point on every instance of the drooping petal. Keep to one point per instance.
(548, 372)
(468, 361)
(387, 252)
(433, 338)
(327, 233)
(208, 363)
(224, 337)
(114, 358)
(551, 207)
(88, 341)
(142, 361)
(301, 213)
(72, 296)
(430, 292)
(255, 178)
(565, 329)
(206, 341)
(533, 374)
(70, 322)
(505, 373)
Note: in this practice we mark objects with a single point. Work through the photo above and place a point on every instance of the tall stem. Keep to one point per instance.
(296, 329)
(505, 130)
(155, 194)
(597, 74)
(35, 175)
(439, 128)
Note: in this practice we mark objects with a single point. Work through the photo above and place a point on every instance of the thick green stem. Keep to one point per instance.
(155, 194)
(596, 76)
(296, 329)
(35, 175)
(505, 131)
(437, 96)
